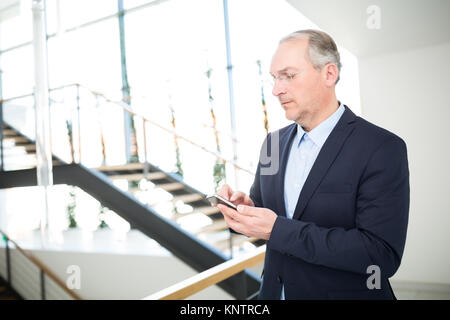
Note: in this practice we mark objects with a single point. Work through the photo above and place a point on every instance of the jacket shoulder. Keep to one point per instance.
(374, 134)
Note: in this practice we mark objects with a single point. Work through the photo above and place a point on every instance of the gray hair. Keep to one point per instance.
(322, 48)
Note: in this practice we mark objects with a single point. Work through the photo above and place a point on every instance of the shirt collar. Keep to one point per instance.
(319, 134)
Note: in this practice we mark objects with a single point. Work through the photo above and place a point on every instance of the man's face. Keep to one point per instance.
(300, 86)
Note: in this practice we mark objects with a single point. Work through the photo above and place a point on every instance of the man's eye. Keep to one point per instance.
(290, 76)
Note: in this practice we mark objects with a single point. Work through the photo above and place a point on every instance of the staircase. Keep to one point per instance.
(6, 293)
(19, 152)
(176, 192)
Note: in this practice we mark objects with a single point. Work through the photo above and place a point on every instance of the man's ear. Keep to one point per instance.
(330, 74)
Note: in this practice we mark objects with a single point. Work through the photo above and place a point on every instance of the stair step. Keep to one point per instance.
(31, 156)
(17, 139)
(31, 164)
(27, 147)
(6, 293)
(187, 198)
(207, 210)
(122, 167)
(139, 176)
(215, 226)
(170, 186)
(9, 133)
(8, 298)
(173, 186)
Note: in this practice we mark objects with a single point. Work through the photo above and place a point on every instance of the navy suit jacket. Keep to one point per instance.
(352, 213)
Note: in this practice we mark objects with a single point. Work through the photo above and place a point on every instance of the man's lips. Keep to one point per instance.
(285, 102)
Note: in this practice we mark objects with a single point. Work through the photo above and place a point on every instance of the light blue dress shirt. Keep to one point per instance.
(304, 151)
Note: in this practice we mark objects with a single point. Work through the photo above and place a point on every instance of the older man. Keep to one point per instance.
(334, 211)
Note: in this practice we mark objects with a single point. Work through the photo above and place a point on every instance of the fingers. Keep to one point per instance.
(225, 191)
(248, 220)
(239, 215)
(231, 218)
(232, 224)
(237, 197)
(227, 212)
(249, 210)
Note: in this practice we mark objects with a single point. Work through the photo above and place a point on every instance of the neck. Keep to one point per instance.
(324, 111)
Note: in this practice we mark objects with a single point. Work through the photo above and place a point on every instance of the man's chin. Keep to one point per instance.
(290, 115)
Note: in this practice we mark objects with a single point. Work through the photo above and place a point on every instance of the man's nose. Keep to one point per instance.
(278, 88)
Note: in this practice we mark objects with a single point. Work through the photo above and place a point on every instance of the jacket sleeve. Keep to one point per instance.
(255, 190)
(379, 236)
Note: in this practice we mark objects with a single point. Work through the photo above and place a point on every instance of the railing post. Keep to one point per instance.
(131, 147)
(78, 123)
(1, 129)
(2, 167)
(230, 89)
(42, 276)
(146, 166)
(230, 241)
(102, 138)
(44, 164)
(8, 261)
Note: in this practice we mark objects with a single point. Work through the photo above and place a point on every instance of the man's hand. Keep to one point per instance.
(236, 197)
(248, 220)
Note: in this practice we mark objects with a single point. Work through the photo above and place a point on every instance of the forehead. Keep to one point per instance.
(290, 54)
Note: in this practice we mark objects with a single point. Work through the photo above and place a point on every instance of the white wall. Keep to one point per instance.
(408, 93)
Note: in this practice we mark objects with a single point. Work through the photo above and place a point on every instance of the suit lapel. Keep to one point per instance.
(285, 147)
(326, 156)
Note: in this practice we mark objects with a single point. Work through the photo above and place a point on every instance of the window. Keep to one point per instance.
(89, 56)
(17, 71)
(170, 48)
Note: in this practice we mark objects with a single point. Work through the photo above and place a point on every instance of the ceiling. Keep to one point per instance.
(404, 24)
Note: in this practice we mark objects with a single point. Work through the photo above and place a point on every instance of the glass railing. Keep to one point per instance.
(88, 127)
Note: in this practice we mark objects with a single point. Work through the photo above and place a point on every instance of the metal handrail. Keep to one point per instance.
(127, 108)
(44, 270)
(32, 94)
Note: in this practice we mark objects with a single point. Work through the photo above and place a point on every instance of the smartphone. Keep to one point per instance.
(216, 199)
